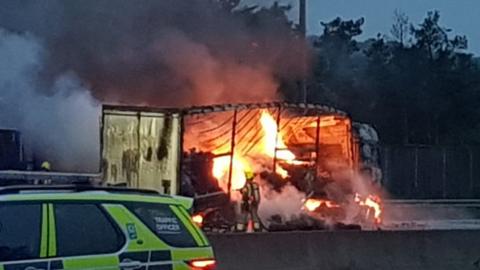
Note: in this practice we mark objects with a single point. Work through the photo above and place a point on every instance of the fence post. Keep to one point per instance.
(444, 173)
(415, 182)
(470, 156)
(386, 172)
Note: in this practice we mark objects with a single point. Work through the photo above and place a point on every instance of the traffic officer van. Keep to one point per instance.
(85, 227)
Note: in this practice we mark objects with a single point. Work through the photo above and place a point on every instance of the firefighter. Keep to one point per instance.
(250, 200)
(46, 167)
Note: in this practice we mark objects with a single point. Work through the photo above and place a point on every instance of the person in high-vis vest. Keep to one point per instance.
(248, 206)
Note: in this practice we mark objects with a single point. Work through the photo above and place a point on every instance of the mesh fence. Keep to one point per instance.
(432, 172)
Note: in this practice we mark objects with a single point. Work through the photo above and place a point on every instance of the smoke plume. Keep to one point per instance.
(63, 126)
(65, 57)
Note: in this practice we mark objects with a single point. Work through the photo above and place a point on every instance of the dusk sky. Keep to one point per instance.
(463, 16)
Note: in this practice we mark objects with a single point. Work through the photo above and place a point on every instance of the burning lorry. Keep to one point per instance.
(315, 168)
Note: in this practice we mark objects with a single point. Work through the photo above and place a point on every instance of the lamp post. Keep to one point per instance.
(303, 30)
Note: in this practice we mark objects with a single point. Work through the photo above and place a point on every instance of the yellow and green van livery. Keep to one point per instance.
(71, 227)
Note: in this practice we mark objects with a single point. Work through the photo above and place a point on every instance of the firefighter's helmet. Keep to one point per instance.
(46, 166)
(249, 175)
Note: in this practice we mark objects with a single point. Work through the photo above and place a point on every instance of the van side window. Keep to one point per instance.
(83, 229)
(164, 223)
(20, 231)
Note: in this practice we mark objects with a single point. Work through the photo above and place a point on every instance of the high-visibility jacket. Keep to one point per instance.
(251, 193)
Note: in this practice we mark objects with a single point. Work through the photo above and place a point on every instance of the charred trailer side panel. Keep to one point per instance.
(141, 147)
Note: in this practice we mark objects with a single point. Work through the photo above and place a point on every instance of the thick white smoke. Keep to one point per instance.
(287, 203)
(62, 126)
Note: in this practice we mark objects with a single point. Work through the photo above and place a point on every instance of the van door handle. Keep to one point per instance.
(128, 264)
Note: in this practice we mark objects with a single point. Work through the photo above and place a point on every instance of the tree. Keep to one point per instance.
(400, 28)
(340, 33)
(334, 74)
(352, 75)
(420, 87)
(433, 38)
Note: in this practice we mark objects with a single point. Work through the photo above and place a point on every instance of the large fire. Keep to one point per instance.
(272, 146)
(262, 144)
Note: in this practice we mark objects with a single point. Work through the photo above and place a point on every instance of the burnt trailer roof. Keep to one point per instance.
(306, 108)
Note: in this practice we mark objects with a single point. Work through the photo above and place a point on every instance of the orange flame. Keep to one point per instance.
(221, 166)
(270, 130)
(372, 202)
(313, 204)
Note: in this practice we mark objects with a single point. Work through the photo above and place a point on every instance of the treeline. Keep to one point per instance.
(416, 85)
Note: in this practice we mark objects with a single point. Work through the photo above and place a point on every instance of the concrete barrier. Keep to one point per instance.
(349, 250)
